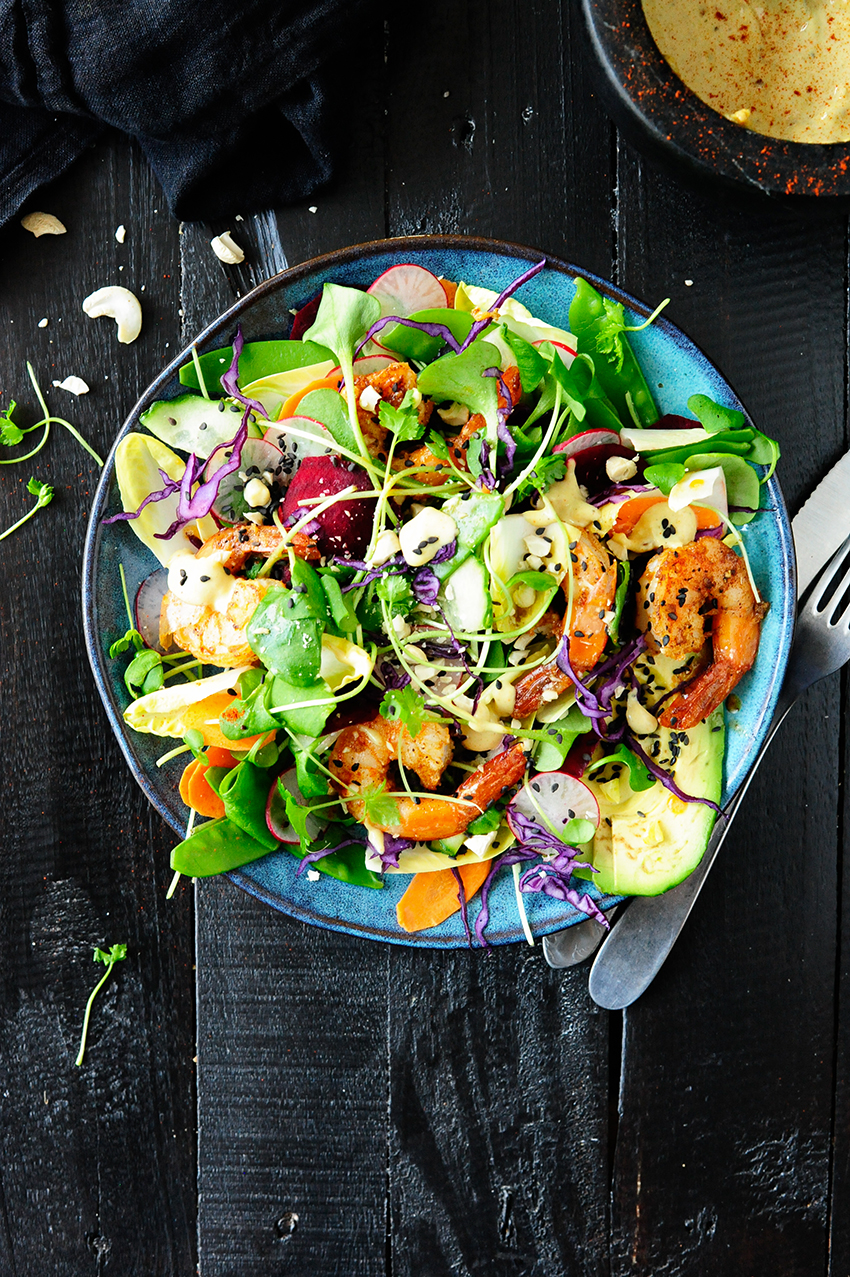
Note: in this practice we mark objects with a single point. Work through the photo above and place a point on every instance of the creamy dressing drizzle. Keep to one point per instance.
(203, 581)
(778, 67)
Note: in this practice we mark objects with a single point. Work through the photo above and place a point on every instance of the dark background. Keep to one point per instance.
(260, 1098)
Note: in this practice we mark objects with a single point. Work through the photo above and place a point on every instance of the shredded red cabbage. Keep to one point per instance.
(171, 486)
(619, 492)
(480, 324)
(464, 916)
(396, 566)
(433, 330)
(230, 380)
(445, 553)
(513, 857)
(321, 853)
(191, 507)
(709, 532)
(390, 676)
(666, 779)
(426, 586)
(391, 851)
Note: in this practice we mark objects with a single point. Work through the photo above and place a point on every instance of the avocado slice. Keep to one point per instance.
(648, 842)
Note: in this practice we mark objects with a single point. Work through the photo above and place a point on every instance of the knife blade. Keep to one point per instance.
(823, 523)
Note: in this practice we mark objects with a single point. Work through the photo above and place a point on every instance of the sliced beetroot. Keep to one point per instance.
(591, 450)
(278, 826)
(552, 799)
(148, 606)
(294, 447)
(404, 289)
(345, 527)
(671, 421)
(305, 318)
(260, 460)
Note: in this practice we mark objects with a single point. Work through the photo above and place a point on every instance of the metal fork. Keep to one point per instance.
(637, 947)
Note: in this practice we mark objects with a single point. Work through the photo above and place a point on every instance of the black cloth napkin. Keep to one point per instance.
(229, 99)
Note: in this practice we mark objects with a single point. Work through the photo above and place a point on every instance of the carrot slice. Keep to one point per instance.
(218, 757)
(433, 897)
(289, 407)
(196, 792)
(203, 716)
(631, 511)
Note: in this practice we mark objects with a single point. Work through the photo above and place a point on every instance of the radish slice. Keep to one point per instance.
(305, 318)
(590, 450)
(406, 288)
(148, 605)
(367, 364)
(554, 799)
(566, 353)
(294, 448)
(260, 460)
(276, 820)
(587, 439)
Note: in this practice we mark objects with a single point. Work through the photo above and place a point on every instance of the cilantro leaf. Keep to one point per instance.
(547, 471)
(395, 593)
(405, 705)
(380, 808)
(403, 422)
(43, 494)
(10, 434)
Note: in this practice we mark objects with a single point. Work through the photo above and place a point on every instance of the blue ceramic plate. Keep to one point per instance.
(675, 369)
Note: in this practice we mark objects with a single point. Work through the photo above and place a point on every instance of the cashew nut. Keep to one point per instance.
(42, 224)
(226, 249)
(119, 304)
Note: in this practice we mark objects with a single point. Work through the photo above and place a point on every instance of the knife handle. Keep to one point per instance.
(638, 945)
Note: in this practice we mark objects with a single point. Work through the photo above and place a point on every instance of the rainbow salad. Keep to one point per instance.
(441, 593)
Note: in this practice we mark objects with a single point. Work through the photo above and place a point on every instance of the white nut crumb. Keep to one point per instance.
(239, 218)
(119, 304)
(456, 414)
(312, 209)
(42, 224)
(42, 323)
(121, 234)
(313, 875)
(226, 249)
(369, 399)
(689, 283)
(76, 385)
(256, 493)
(386, 546)
(619, 469)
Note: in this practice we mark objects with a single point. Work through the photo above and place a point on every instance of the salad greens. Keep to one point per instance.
(422, 632)
(117, 953)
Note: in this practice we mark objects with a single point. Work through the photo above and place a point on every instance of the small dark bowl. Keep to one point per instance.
(664, 118)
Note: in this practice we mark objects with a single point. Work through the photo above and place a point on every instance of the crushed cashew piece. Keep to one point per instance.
(76, 385)
(227, 250)
(43, 224)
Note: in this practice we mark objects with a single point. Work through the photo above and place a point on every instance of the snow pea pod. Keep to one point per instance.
(258, 359)
(600, 335)
(214, 848)
(244, 792)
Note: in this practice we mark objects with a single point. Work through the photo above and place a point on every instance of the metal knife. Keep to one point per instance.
(821, 525)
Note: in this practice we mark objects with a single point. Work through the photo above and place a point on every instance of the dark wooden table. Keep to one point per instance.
(263, 1098)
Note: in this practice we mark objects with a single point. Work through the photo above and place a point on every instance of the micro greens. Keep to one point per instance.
(116, 954)
(11, 433)
(43, 494)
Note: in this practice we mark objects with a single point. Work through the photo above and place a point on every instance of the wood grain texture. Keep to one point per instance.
(723, 1147)
(97, 1162)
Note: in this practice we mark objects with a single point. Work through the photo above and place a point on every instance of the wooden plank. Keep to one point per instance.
(722, 1153)
(96, 1163)
(499, 1098)
(292, 1083)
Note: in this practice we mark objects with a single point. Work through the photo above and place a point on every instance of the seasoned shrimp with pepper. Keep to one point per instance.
(360, 761)
(594, 577)
(692, 593)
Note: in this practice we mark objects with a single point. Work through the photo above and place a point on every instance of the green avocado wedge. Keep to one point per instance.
(648, 842)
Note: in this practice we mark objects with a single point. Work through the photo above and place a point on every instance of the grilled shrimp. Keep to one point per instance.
(685, 594)
(215, 632)
(214, 636)
(391, 384)
(361, 757)
(595, 585)
(423, 456)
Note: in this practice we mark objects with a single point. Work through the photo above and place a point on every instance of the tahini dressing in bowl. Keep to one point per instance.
(779, 67)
